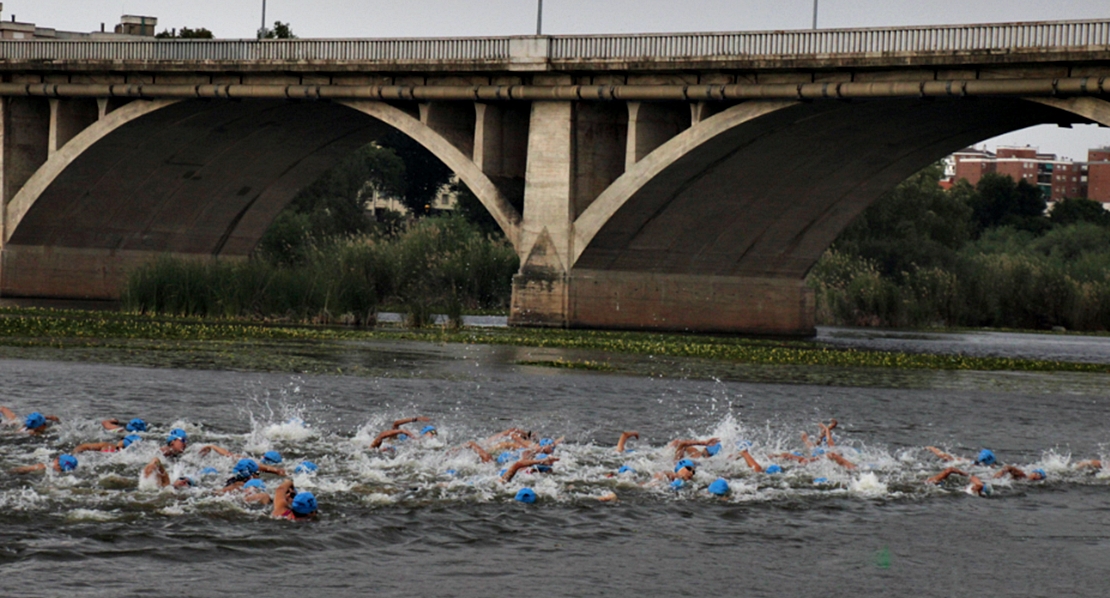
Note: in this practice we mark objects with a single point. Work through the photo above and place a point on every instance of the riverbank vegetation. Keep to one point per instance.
(983, 256)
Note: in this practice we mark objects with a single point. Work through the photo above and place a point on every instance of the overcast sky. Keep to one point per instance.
(430, 18)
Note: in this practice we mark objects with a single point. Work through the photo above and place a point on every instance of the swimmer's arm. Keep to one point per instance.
(939, 453)
(976, 484)
(841, 461)
(756, 467)
(29, 468)
(940, 477)
(230, 487)
(809, 443)
(258, 497)
(93, 446)
(482, 454)
(1012, 470)
(155, 468)
(388, 434)
(408, 420)
(271, 469)
(9, 415)
(282, 500)
(111, 424)
(523, 463)
(793, 457)
(826, 432)
(624, 438)
(219, 450)
(1089, 464)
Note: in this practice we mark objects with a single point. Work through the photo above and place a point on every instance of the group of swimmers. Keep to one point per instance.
(286, 502)
(513, 451)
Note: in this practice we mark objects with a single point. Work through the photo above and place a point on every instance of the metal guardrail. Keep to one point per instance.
(956, 38)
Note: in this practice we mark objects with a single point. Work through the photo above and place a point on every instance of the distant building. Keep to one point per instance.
(1098, 175)
(1058, 178)
(130, 26)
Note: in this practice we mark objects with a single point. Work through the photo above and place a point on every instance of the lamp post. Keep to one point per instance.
(814, 13)
(539, 19)
(262, 29)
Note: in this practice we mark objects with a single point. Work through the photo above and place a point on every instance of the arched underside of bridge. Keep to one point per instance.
(190, 178)
(716, 229)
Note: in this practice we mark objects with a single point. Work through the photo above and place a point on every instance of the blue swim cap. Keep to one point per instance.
(678, 484)
(719, 487)
(507, 457)
(176, 434)
(136, 425)
(271, 457)
(541, 468)
(685, 463)
(209, 471)
(451, 472)
(34, 421)
(626, 469)
(1041, 471)
(743, 445)
(304, 503)
(986, 457)
(67, 462)
(188, 480)
(987, 490)
(306, 467)
(427, 429)
(713, 449)
(255, 483)
(773, 469)
(820, 480)
(526, 495)
(546, 441)
(818, 451)
(245, 468)
(131, 439)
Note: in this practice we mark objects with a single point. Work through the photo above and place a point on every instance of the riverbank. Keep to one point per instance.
(124, 338)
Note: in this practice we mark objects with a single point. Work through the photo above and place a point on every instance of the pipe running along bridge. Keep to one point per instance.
(671, 182)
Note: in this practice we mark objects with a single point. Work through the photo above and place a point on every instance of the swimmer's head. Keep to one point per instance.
(306, 467)
(304, 504)
(773, 468)
(207, 471)
(1041, 473)
(34, 421)
(255, 484)
(820, 480)
(719, 487)
(713, 449)
(546, 442)
(67, 462)
(626, 469)
(429, 430)
(136, 425)
(743, 445)
(818, 451)
(685, 464)
(507, 457)
(987, 490)
(986, 457)
(184, 482)
(245, 469)
(177, 434)
(271, 457)
(131, 439)
(526, 495)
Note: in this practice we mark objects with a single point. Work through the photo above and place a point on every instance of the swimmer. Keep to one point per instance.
(176, 443)
(684, 448)
(244, 471)
(61, 464)
(512, 470)
(975, 487)
(108, 447)
(1089, 464)
(756, 467)
(624, 439)
(396, 431)
(292, 505)
(1018, 474)
(35, 423)
(156, 470)
(825, 437)
(135, 425)
(684, 471)
(986, 456)
(269, 458)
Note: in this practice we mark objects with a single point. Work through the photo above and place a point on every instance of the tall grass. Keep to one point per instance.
(1007, 279)
(436, 264)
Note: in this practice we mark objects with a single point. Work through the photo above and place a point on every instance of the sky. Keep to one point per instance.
(454, 18)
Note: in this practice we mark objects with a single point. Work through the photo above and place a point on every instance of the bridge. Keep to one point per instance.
(670, 182)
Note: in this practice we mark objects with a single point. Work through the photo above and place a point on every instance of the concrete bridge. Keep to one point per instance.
(678, 182)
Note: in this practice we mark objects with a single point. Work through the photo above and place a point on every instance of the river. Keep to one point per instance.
(399, 523)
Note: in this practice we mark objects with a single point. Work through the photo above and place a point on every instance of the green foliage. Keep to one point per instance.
(1071, 211)
(999, 201)
(185, 33)
(436, 264)
(424, 173)
(280, 31)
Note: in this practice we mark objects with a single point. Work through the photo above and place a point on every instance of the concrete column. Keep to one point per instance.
(681, 302)
(539, 289)
(600, 141)
(26, 137)
(501, 147)
(68, 117)
(651, 125)
(453, 120)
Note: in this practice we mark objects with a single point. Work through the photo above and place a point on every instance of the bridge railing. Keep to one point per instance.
(953, 38)
(956, 38)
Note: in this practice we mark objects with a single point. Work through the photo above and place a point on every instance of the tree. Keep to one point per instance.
(185, 33)
(999, 201)
(280, 31)
(424, 173)
(1071, 211)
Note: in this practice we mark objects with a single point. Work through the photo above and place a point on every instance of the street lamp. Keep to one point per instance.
(262, 29)
(539, 19)
(814, 13)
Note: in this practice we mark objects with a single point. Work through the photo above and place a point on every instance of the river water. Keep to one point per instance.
(398, 523)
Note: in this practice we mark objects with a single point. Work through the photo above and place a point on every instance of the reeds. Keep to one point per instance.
(437, 264)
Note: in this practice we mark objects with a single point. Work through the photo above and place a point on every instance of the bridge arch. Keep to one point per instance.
(763, 188)
(201, 177)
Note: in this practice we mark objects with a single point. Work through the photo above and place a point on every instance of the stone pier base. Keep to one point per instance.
(671, 302)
